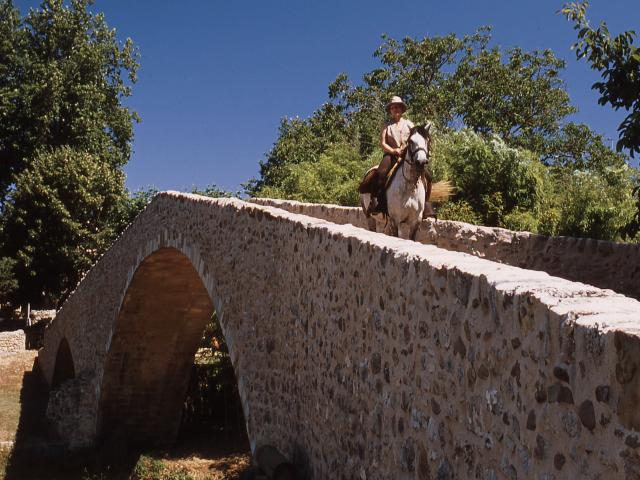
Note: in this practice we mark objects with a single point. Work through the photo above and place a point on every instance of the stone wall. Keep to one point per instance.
(357, 355)
(597, 262)
(12, 342)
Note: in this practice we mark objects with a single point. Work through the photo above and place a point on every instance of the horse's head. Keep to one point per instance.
(418, 147)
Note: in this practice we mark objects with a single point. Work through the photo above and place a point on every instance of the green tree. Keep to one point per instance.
(63, 76)
(577, 147)
(332, 178)
(496, 181)
(214, 191)
(448, 80)
(517, 95)
(594, 205)
(8, 282)
(300, 141)
(129, 207)
(619, 62)
(59, 219)
(516, 162)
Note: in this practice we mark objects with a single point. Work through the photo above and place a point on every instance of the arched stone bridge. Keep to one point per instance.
(357, 355)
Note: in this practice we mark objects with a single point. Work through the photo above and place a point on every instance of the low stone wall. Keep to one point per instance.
(37, 316)
(12, 342)
(596, 262)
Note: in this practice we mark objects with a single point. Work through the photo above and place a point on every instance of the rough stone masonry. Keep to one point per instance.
(357, 355)
(12, 342)
(600, 263)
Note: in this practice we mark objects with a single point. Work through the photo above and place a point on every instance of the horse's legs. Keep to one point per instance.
(391, 228)
(414, 233)
(406, 231)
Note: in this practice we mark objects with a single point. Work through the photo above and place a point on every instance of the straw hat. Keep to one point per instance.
(395, 100)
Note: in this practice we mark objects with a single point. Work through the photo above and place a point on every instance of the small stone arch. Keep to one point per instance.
(64, 368)
(155, 337)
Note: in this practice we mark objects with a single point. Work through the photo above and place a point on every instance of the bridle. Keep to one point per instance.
(410, 159)
(410, 154)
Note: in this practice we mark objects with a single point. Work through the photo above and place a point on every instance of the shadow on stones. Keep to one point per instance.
(38, 454)
(212, 427)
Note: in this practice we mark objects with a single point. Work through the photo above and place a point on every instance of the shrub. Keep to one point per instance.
(331, 178)
(459, 211)
(492, 178)
(595, 205)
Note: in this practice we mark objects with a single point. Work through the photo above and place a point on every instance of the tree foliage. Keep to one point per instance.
(502, 138)
(63, 77)
(619, 62)
(59, 220)
(65, 135)
(593, 204)
(8, 282)
(495, 180)
(333, 178)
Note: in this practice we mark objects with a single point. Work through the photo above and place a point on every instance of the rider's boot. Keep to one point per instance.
(428, 211)
(377, 197)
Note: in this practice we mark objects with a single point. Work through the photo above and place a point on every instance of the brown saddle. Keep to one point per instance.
(368, 182)
(367, 185)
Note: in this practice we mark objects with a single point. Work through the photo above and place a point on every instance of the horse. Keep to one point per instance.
(406, 192)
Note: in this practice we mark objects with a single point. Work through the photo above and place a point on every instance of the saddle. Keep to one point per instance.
(366, 186)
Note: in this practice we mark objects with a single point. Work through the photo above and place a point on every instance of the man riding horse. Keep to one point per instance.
(393, 140)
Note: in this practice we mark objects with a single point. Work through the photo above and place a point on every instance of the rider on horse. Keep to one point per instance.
(393, 140)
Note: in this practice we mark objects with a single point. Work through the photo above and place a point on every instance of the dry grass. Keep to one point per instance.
(12, 371)
(159, 466)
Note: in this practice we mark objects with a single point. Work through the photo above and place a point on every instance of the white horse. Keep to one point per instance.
(406, 192)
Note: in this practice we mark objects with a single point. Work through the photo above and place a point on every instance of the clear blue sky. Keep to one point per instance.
(217, 76)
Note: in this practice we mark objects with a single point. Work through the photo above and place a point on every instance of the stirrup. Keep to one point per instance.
(429, 211)
(374, 205)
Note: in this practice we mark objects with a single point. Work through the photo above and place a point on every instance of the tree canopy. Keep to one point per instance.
(503, 138)
(65, 135)
(59, 220)
(619, 62)
(63, 78)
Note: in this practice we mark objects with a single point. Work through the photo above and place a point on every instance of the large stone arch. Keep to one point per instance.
(92, 320)
(155, 337)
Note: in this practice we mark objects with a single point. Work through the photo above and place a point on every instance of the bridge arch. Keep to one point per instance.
(155, 337)
(64, 366)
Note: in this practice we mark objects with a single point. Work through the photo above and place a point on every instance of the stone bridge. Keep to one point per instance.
(357, 355)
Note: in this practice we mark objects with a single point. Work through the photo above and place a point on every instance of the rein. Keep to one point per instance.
(412, 154)
(409, 158)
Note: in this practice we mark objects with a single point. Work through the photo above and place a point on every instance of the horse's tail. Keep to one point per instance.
(441, 191)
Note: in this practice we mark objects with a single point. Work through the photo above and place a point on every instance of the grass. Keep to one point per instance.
(11, 378)
(149, 468)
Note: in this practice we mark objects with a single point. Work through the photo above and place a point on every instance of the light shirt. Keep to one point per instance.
(396, 135)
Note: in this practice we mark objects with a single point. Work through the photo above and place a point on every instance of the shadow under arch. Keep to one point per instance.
(156, 334)
(64, 368)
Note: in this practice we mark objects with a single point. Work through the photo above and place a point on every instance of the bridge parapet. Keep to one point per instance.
(604, 264)
(357, 355)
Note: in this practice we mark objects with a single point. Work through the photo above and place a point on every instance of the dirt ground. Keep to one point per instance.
(12, 372)
(206, 456)
(203, 459)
